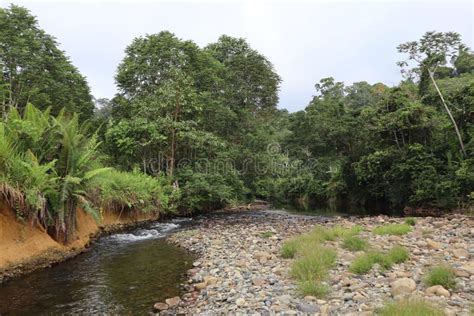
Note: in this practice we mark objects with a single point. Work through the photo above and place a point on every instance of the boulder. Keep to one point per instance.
(174, 301)
(437, 290)
(403, 286)
(160, 306)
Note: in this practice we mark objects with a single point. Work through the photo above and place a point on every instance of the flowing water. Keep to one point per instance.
(124, 273)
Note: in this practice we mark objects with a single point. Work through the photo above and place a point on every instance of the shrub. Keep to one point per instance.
(314, 288)
(398, 254)
(410, 221)
(354, 243)
(410, 308)
(392, 229)
(441, 275)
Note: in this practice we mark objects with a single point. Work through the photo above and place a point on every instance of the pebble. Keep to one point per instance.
(240, 272)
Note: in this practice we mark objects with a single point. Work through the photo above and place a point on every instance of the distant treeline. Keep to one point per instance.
(195, 129)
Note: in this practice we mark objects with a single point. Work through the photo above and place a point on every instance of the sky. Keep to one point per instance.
(305, 40)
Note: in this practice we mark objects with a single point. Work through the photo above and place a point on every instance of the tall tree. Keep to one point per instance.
(35, 70)
(434, 50)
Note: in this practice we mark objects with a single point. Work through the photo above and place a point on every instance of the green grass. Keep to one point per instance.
(354, 243)
(410, 308)
(392, 229)
(364, 263)
(398, 254)
(313, 288)
(267, 234)
(288, 250)
(410, 221)
(314, 264)
(441, 275)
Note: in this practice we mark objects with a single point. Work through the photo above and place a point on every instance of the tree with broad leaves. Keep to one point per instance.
(432, 51)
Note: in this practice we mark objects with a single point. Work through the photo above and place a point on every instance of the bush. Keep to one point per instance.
(409, 308)
(392, 229)
(410, 221)
(398, 254)
(441, 275)
(314, 288)
(354, 243)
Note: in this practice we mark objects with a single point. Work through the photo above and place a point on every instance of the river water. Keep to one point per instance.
(124, 273)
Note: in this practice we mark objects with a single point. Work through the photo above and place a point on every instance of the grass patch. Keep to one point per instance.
(398, 254)
(441, 275)
(410, 308)
(313, 288)
(392, 229)
(426, 232)
(313, 265)
(410, 221)
(288, 250)
(354, 243)
(267, 234)
(364, 263)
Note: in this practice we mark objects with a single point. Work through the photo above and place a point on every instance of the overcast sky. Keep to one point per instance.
(305, 40)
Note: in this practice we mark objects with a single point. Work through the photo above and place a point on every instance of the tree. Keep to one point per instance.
(35, 71)
(433, 50)
(250, 82)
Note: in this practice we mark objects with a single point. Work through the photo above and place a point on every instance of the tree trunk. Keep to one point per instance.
(449, 113)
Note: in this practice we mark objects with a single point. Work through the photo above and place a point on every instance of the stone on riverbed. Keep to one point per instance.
(160, 306)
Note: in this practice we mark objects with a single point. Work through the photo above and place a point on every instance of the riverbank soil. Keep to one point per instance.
(25, 247)
(240, 270)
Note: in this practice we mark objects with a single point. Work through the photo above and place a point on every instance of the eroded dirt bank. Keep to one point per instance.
(25, 247)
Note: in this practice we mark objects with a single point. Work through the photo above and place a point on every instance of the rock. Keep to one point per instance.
(359, 298)
(310, 298)
(461, 273)
(240, 302)
(261, 255)
(200, 286)
(174, 301)
(258, 282)
(307, 308)
(403, 286)
(469, 268)
(210, 280)
(160, 306)
(285, 299)
(461, 253)
(325, 310)
(437, 290)
(196, 264)
(433, 244)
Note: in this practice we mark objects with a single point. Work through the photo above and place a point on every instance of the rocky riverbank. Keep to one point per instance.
(239, 268)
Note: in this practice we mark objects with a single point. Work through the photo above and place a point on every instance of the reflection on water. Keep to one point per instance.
(123, 273)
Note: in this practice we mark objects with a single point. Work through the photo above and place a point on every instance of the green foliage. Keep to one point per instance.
(398, 254)
(288, 250)
(413, 307)
(392, 229)
(441, 275)
(313, 288)
(35, 70)
(49, 167)
(364, 263)
(314, 264)
(267, 234)
(354, 243)
(410, 221)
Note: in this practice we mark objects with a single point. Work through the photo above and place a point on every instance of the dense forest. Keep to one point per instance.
(198, 128)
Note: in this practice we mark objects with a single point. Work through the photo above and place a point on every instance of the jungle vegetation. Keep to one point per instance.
(198, 128)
